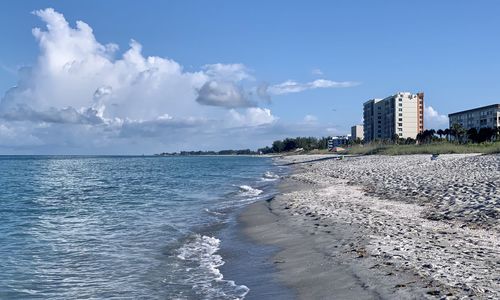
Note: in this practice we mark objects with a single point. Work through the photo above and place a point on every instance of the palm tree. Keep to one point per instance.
(472, 135)
(458, 131)
(440, 132)
(431, 134)
(446, 132)
(486, 134)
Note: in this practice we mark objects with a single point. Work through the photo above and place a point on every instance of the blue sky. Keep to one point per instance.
(363, 49)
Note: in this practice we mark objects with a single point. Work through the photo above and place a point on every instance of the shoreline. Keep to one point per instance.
(313, 262)
(342, 239)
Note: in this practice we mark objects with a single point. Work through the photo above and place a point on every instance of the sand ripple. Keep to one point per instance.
(439, 218)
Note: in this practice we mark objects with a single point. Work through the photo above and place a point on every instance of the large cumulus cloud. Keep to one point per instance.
(91, 95)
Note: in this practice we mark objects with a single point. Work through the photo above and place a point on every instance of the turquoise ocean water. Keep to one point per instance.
(125, 227)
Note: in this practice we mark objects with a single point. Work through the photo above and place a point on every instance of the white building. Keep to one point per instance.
(357, 132)
(338, 141)
(481, 117)
(401, 114)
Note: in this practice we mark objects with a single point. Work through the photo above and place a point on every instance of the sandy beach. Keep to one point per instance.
(385, 227)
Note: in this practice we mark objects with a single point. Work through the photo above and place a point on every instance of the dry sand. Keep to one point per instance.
(386, 227)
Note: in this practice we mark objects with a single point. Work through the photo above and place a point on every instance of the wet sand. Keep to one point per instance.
(380, 228)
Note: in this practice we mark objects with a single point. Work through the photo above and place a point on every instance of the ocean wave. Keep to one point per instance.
(270, 176)
(247, 190)
(208, 282)
(214, 213)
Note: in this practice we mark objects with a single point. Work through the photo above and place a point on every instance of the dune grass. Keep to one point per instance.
(435, 148)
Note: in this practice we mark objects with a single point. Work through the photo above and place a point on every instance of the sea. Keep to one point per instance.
(110, 227)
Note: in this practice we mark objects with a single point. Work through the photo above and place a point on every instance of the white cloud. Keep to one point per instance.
(53, 115)
(433, 119)
(232, 72)
(310, 119)
(224, 87)
(83, 96)
(317, 72)
(334, 131)
(253, 116)
(291, 86)
(75, 72)
(262, 92)
(10, 136)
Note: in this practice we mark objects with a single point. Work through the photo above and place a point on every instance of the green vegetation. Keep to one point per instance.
(453, 140)
(447, 141)
(291, 144)
(430, 148)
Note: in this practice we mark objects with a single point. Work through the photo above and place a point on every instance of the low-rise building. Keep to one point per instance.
(357, 132)
(337, 141)
(481, 117)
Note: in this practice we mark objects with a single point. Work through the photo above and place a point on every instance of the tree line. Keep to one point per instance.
(290, 144)
(458, 133)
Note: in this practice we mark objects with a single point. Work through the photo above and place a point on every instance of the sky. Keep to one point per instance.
(143, 77)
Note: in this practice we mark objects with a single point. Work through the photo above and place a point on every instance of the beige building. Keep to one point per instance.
(486, 116)
(357, 132)
(401, 114)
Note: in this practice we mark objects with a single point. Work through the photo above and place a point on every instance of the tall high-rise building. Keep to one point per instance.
(401, 114)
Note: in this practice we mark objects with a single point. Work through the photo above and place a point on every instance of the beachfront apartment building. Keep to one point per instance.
(337, 141)
(357, 132)
(480, 117)
(401, 114)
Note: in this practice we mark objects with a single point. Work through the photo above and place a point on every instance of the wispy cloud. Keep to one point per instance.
(8, 69)
(291, 86)
(255, 116)
(310, 119)
(228, 72)
(317, 72)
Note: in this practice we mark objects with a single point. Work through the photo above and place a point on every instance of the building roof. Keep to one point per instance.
(475, 109)
(375, 100)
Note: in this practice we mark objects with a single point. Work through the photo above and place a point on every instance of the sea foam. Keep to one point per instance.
(247, 190)
(201, 252)
(270, 176)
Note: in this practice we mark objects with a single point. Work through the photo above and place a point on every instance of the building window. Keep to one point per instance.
(400, 134)
(400, 119)
(400, 124)
(400, 115)
(400, 104)
(400, 109)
